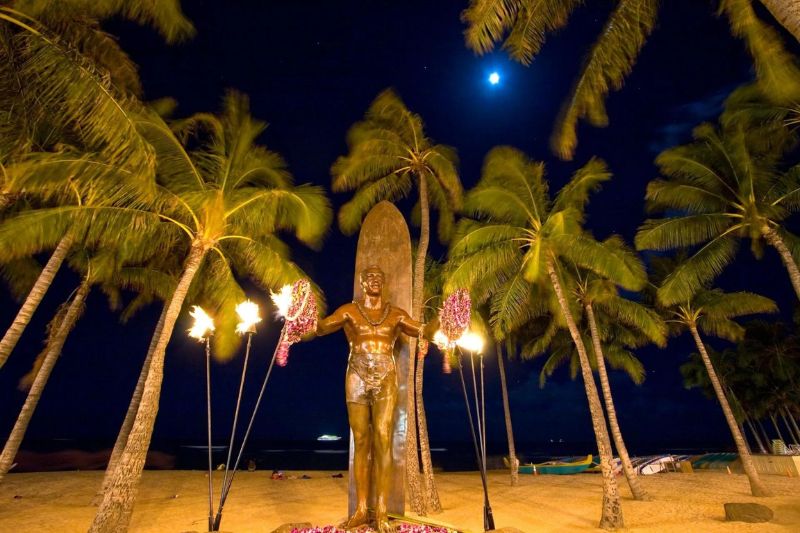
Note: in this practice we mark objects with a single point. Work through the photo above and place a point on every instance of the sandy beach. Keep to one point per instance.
(176, 501)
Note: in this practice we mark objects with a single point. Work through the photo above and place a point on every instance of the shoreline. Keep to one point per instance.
(177, 501)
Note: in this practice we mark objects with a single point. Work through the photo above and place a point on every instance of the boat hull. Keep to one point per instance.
(558, 468)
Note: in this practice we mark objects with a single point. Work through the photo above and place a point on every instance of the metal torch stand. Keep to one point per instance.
(479, 439)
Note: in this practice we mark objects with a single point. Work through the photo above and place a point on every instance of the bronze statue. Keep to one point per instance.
(372, 326)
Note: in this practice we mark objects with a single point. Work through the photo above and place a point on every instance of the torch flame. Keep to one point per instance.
(203, 324)
(441, 340)
(282, 300)
(472, 342)
(248, 317)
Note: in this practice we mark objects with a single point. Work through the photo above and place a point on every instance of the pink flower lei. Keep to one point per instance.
(300, 319)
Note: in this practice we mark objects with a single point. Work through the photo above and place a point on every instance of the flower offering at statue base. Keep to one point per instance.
(298, 306)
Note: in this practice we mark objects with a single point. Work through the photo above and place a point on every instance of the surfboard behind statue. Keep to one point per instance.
(384, 241)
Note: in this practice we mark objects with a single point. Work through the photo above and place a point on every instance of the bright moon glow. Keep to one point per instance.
(203, 324)
(248, 316)
(472, 342)
(494, 78)
(282, 300)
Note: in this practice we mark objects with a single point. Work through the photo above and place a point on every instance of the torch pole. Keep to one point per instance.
(488, 519)
(227, 486)
(208, 416)
(235, 417)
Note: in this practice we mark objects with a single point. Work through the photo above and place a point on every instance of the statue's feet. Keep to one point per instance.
(358, 519)
(383, 525)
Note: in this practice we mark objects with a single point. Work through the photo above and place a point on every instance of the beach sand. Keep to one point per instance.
(176, 501)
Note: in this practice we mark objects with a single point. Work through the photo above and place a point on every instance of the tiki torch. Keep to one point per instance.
(202, 329)
(248, 318)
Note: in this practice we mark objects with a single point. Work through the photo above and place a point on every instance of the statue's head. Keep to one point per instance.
(372, 279)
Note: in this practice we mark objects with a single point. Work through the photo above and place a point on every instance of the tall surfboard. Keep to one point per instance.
(384, 241)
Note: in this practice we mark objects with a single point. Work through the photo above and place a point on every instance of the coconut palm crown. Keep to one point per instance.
(727, 184)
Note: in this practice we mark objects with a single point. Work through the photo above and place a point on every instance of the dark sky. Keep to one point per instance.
(311, 69)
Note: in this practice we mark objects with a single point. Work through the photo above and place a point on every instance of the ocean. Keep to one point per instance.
(69, 454)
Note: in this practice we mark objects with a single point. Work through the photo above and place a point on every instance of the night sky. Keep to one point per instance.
(311, 69)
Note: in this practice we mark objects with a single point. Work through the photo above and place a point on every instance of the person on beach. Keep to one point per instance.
(372, 326)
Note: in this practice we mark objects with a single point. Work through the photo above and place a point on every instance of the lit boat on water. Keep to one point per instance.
(328, 438)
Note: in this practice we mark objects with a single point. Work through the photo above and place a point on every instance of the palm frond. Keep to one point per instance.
(487, 22)
(588, 179)
(165, 15)
(533, 22)
(391, 188)
(693, 273)
(681, 231)
(776, 68)
(609, 62)
(585, 251)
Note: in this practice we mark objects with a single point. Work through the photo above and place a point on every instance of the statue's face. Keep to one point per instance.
(372, 281)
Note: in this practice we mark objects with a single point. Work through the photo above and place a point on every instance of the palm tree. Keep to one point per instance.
(389, 154)
(512, 452)
(725, 185)
(229, 197)
(712, 312)
(600, 296)
(520, 237)
(58, 330)
(522, 26)
(65, 82)
(612, 340)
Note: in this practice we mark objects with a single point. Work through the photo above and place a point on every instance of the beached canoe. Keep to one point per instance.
(573, 466)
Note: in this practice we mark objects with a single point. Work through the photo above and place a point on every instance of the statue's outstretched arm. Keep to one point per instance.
(332, 323)
(413, 328)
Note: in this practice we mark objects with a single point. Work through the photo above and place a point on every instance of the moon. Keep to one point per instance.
(494, 78)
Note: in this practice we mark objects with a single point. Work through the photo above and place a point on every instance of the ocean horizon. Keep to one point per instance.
(92, 454)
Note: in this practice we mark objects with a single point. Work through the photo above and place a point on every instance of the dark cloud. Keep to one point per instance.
(683, 118)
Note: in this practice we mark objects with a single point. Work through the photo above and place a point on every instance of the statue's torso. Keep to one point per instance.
(371, 331)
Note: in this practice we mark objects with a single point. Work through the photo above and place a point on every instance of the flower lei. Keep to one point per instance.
(301, 319)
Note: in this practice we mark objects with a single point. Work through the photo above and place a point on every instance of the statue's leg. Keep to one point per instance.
(383, 424)
(359, 416)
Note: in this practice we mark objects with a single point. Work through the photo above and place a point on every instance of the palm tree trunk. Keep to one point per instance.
(114, 513)
(786, 423)
(431, 495)
(130, 415)
(611, 517)
(415, 494)
(787, 13)
(757, 488)
(793, 422)
(754, 431)
(638, 491)
(772, 237)
(744, 438)
(54, 346)
(775, 425)
(512, 452)
(34, 297)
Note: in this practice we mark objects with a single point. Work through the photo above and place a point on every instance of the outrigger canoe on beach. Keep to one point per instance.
(574, 466)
